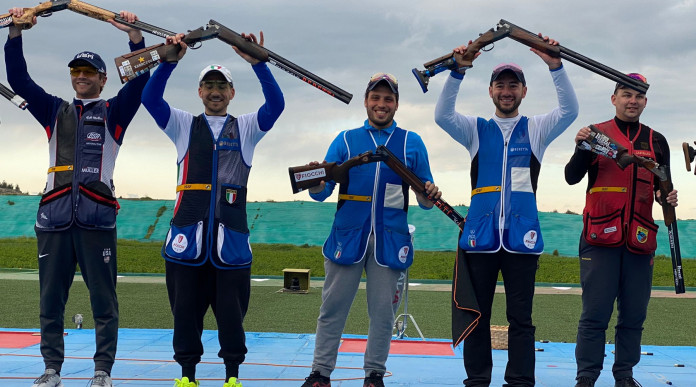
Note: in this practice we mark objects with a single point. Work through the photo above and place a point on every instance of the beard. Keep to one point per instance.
(507, 110)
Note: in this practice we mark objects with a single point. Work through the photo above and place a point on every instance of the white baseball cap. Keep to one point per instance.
(214, 67)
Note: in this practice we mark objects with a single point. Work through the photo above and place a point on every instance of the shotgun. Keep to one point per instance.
(12, 97)
(135, 63)
(307, 176)
(604, 145)
(506, 29)
(47, 8)
(417, 185)
(265, 55)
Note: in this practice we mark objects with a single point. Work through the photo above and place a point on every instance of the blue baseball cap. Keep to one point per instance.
(89, 58)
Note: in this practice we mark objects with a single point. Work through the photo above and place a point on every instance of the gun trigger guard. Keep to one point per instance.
(47, 14)
(195, 46)
(486, 50)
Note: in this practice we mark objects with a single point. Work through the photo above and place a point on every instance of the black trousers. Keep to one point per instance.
(519, 271)
(609, 274)
(59, 253)
(192, 289)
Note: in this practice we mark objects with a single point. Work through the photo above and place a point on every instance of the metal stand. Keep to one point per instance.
(401, 321)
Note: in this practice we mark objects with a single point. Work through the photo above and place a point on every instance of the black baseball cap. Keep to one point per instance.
(89, 58)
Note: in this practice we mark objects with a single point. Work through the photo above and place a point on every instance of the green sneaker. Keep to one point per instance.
(184, 382)
(232, 383)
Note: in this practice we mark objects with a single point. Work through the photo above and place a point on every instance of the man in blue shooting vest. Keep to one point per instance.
(207, 251)
(502, 232)
(369, 233)
(619, 238)
(76, 220)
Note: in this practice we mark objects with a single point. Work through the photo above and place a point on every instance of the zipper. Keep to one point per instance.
(213, 188)
(501, 218)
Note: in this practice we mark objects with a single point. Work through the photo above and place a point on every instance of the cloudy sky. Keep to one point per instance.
(345, 43)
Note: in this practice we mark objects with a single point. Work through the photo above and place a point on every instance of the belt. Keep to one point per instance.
(492, 188)
(608, 189)
(60, 168)
(357, 198)
(193, 187)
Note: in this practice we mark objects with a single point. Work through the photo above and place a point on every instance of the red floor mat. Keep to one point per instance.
(402, 347)
(19, 339)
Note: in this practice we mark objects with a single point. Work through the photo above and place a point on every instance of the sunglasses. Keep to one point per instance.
(220, 85)
(89, 71)
(384, 76)
(638, 77)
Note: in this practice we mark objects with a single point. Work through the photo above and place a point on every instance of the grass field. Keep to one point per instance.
(670, 321)
(144, 257)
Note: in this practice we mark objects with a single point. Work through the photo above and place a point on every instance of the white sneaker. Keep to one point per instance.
(101, 379)
(50, 378)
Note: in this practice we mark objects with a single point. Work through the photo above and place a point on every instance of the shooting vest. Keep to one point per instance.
(375, 199)
(210, 217)
(618, 206)
(503, 210)
(79, 188)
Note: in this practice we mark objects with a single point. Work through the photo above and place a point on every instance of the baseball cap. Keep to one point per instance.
(503, 67)
(636, 76)
(89, 58)
(387, 78)
(214, 67)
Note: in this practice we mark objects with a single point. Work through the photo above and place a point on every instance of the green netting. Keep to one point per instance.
(301, 223)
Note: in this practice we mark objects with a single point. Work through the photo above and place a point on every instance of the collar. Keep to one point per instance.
(632, 126)
(388, 130)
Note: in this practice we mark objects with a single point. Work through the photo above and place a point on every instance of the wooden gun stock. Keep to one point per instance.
(412, 180)
(307, 176)
(689, 155)
(135, 63)
(25, 22)
(454, 61)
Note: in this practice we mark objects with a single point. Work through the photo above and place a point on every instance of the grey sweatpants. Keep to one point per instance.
(384, 289)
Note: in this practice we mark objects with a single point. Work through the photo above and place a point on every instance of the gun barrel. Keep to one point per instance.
(230, 37)
(582, 61)
(13, 97)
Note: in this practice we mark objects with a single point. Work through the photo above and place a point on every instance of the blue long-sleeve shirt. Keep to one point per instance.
(44, 106)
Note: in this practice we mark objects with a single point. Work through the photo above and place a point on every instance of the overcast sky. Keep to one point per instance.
(345, 43)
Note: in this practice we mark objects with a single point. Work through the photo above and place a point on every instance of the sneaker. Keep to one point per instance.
(374, 380)
(232, 383)
(185, 382)
(50, 378)
(627, 382)
(101, 379)
(585, 381)
(316, 380)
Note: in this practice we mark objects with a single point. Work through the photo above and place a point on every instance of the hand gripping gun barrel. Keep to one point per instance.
(505, 29)
(604, 145)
